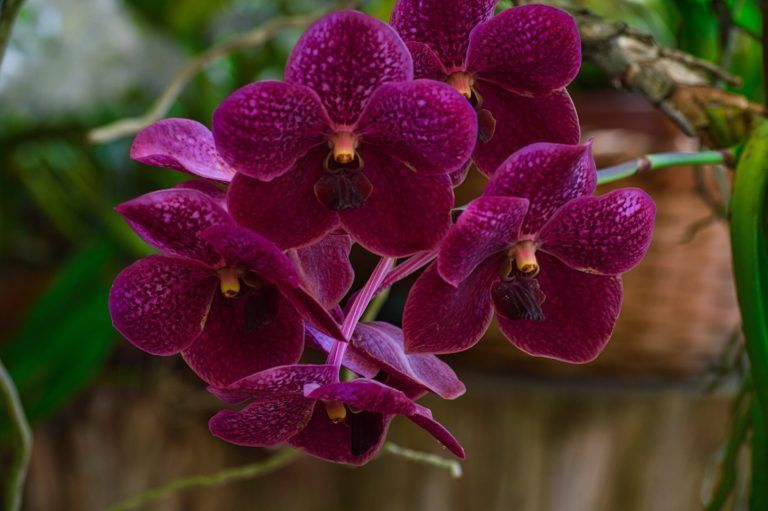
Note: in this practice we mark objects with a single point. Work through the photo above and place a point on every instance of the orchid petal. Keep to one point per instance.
(548, 175)
(607, 235)
(345, 57)
(160, 303)
(262, 129)
(181, 144)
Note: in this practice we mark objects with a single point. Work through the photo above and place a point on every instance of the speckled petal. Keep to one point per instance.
(288, 380)
(383, 343)
(262, 129)
(530, 50)
(245, 249)
(235, 343)
(580, 310)
(262, 423)
(172, 220)
(426, 125)
(367, 395)
(405, 214)
(607, 235)
(488, 226)
(440, 318)
(160, 303)
(444, 25)
(345, 57)
(324, 268)
(426, 63)
(423, 417)
(355, 441)
(285, 209)
(181, 144)
(548, 175)
(214, 192)
(521, 121)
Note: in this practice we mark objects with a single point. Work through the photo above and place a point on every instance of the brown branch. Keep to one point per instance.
(170, 94)
(9, 9)
(683, 86)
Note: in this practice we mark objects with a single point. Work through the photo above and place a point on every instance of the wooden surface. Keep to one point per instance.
(532, 447)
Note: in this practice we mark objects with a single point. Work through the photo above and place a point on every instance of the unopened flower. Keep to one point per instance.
(538, 250)
(305, 406)
(348, 140)
(226, 298)
(513, 68)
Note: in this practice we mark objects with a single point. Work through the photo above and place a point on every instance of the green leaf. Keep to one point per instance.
(67, 334)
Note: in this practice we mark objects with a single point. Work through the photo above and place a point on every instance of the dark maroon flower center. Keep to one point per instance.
(518, 297)
(518, 294)
(343, 186)
(262, 298)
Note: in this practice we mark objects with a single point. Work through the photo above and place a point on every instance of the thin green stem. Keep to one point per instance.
(453, 466)
(266, 467)
(9, 9)
(750, 266)
(260, 468)
(374, 308)
(18, 469)
(728, 477)
(662, 160)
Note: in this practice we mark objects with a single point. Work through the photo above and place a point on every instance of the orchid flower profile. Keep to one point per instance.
(512, 67)
(538, 250)
(304, 406)
(226, 298)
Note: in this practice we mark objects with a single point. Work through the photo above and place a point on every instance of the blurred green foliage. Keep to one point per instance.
(57, 192)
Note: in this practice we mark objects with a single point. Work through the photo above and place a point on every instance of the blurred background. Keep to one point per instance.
(643, 428)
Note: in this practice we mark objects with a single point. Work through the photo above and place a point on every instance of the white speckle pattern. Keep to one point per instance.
(345, 57)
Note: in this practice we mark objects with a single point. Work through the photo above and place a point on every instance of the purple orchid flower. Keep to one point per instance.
(512, 67)
(539, 250)
(224, 297)
(307, 407)
(348, 140)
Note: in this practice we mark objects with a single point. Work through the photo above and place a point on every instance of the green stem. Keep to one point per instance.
(18, 469)
(453, 466)
(750, 265)
(8, 12)
(663, 160)
(728, 478)
(260, 468)
(374, 308)
(265, 467)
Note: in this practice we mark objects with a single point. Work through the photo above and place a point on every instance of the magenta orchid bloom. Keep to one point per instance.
(512, 67)
(538, 250)
(307, 407)
(226, 298)
(348, 140)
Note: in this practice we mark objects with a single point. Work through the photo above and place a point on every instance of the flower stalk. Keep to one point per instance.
(18, 469)
(663, 160)
(357, 309)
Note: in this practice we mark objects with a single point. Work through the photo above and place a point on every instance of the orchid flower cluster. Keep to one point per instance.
(363, 143)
